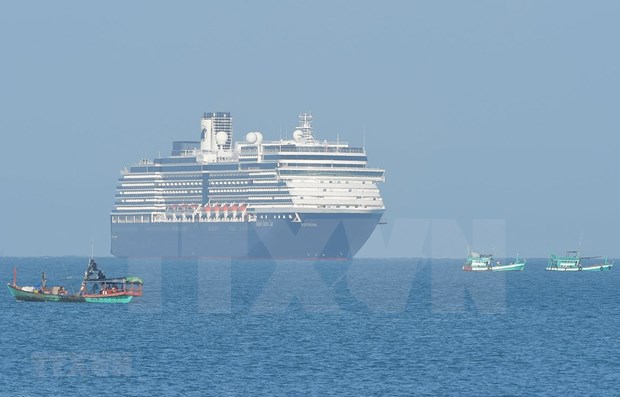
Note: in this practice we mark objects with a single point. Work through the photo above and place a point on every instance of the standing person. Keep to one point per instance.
(43, 281)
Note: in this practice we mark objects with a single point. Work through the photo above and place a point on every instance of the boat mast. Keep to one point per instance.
(14, 276)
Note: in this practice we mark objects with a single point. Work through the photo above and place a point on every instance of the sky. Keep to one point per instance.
(496, 121)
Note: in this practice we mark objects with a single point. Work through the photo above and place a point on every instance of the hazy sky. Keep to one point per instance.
(500, 110)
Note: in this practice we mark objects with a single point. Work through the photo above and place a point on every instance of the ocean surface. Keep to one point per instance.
(361, 327)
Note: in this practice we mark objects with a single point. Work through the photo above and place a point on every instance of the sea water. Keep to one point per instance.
(361, 327)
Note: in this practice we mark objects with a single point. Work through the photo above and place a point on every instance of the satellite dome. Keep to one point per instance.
(251, 138)
(259, 138)
(298, 135)
(221, 137)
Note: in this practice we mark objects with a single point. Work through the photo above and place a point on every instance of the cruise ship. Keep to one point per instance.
(298, 198)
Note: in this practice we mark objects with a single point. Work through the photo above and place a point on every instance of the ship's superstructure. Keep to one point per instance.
(293, 198)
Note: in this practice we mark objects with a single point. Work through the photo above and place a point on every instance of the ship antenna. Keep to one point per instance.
(68, 278)
(305, 126)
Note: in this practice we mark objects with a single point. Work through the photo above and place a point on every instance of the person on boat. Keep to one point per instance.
(43, 281)
(92, 265)
(92, 268)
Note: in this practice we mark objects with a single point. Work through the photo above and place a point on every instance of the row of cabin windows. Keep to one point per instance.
(183, 175)
(323, 197)
(229, 182)
(331, 181)
(245, 175)
(151, 192)
(180, 184)
(279, 216)
(250, 190)
(158, 183)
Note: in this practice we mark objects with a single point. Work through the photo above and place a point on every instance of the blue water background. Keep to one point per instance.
(361, 327)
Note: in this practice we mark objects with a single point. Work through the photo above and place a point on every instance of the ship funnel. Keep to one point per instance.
(207, 137)
(211, 124)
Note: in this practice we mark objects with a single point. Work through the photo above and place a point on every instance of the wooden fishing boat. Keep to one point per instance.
(573, 262)
(484, 262)
(111, 290)
(95, 288)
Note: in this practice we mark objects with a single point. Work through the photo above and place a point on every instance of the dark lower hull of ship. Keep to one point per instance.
(324, 236)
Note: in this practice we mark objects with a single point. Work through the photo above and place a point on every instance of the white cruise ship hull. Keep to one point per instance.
(323, 236)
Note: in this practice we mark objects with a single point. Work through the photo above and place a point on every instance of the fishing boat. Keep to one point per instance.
(41, 292)
(95, 288)
(484, 262)
(573, 262)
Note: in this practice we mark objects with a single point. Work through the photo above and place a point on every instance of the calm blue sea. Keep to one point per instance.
(362, 327)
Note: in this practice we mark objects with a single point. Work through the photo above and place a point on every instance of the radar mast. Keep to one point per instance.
(305, 126)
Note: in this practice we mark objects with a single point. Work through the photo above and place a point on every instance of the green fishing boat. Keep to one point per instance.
(573, 262)
(32, 294)
(95, 288)
(484, 262)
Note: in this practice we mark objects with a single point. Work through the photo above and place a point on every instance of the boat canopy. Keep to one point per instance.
(118, 280)
(134, 280)
(479, 255)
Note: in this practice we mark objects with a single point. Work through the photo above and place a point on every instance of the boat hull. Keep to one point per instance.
(497, 268)
(467, 268)
(509, 267)
(22, 295)
(591, 268)
(27, 296)
(319, 235)
(109, 299)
